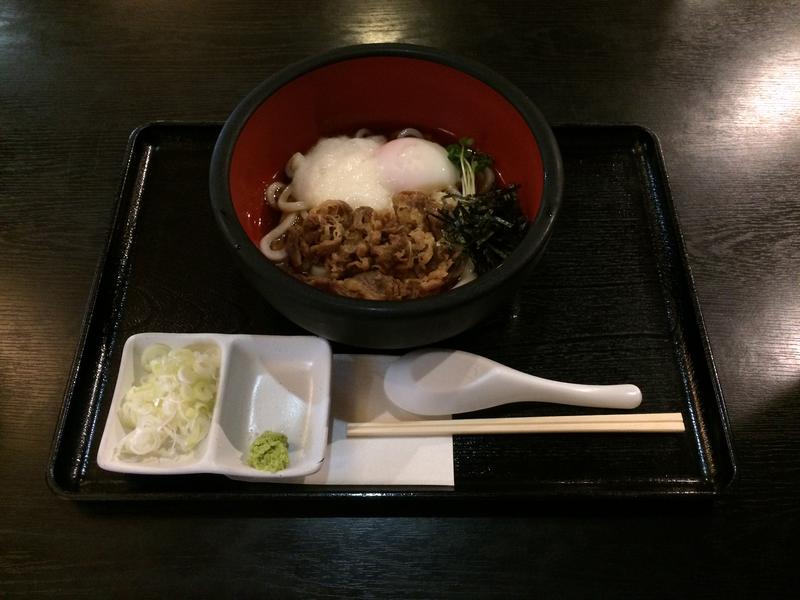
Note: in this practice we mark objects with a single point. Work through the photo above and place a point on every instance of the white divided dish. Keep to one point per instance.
(266, 383)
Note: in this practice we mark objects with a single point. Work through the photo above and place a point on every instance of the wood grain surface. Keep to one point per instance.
(717, 82)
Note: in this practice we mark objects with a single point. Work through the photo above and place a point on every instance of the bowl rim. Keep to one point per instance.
(530, 246)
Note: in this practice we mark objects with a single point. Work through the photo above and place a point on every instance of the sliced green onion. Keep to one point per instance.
(168, 413)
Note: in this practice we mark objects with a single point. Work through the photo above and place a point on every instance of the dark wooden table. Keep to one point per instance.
(718, 82)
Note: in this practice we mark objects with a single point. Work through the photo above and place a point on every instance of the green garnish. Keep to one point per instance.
(269, 452)
(469, 161)
(487, 226)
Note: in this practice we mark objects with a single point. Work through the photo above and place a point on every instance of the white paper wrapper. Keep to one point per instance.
(357, 396)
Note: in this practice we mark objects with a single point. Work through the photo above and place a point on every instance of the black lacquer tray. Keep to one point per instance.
(611, 301)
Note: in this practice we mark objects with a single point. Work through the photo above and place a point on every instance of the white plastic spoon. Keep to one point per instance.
(445, 382)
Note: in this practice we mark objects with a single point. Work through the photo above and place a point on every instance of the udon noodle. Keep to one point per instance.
(368, 218)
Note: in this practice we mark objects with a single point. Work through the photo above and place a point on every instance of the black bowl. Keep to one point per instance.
(375, 86)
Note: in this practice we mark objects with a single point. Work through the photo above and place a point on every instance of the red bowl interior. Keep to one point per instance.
(381, 93)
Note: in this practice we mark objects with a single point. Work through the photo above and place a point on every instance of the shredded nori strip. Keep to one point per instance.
(488, 226)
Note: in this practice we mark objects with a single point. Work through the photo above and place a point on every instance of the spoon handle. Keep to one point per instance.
(530, 388)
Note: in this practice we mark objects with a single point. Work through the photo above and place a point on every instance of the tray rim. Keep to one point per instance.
(709, 489)
(91, 301)
(719, 397)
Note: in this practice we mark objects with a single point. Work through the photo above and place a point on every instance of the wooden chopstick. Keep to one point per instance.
(636, 423)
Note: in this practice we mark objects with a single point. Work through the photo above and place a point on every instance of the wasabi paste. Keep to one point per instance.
(269, 452)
